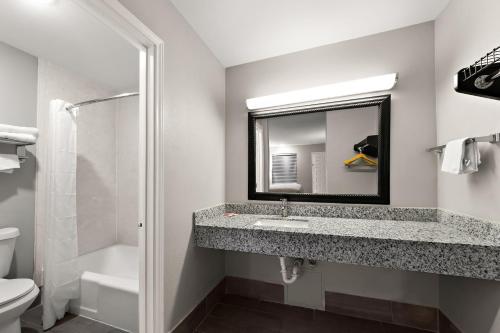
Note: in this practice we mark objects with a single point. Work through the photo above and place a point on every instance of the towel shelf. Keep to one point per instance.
(20, 147)
(492, 138)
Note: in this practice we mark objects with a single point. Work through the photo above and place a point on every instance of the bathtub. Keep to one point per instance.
(109, 287)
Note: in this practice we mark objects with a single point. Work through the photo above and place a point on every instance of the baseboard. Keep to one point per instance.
(397, 313)
(195, 317)
(446, 325)
(259, 290)
(425, 318)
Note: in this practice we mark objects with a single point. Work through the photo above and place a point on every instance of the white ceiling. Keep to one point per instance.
(241, 31)
(69, 36)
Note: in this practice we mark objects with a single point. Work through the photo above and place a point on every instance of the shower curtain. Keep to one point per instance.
(60, 273)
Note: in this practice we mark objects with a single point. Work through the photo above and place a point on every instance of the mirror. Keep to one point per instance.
(336, 152)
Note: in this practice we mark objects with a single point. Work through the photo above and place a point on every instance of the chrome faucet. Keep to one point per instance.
(284, 207)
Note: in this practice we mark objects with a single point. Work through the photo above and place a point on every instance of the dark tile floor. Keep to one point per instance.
(236, 314)
(31, 322)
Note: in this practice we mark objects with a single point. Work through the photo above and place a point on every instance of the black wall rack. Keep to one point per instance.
(482, 78)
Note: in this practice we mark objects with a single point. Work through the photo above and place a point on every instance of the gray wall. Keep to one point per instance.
(463, 34)
(308, 291)
(409, 51)
(343, 130)
(458, 115)
(195, 120)
(18, 89)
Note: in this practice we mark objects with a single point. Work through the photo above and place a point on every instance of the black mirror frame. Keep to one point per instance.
(381, 198)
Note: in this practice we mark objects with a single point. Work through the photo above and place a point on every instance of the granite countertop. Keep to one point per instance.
(413, 231)
(424, 246)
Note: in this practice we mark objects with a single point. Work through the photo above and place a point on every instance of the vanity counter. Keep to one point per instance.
(424, 246)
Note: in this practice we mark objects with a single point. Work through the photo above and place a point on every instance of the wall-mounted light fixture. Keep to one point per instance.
(324, 93)
(42, 2)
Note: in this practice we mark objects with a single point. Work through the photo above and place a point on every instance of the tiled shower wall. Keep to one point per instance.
(96, 174)
(127, 173)
(107, 156)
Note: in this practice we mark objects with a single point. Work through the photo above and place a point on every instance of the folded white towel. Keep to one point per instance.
(453, 156)
(9, 162)
(461, 157)
(23, 137)
(285, 187)
(19, 129)
(472, 158)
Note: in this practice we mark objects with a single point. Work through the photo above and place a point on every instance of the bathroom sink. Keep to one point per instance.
(283, 222)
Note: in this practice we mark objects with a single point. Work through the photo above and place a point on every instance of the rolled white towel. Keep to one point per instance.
(19, 129)
(26, 138)
(9, 162)
(285, 187)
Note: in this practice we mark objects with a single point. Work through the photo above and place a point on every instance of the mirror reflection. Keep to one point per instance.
(324, 152)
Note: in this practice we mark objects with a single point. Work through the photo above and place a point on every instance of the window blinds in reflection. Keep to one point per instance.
(284, 168)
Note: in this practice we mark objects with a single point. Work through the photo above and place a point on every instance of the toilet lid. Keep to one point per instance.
(10, 290)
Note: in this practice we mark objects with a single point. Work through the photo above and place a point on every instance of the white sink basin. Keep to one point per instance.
(283, 223)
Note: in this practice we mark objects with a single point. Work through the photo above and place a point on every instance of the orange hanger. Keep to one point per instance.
(360, 158)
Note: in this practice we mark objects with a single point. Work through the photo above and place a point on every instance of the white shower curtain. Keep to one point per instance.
(61, 275)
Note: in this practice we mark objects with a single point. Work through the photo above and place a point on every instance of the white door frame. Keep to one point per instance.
(151, 170)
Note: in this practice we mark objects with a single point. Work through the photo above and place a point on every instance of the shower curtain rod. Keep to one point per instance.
(99, 100)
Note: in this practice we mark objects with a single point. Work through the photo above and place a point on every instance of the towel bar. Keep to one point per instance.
(20, 147)
(492, 138)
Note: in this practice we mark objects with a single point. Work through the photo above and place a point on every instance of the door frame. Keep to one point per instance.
(152, 162)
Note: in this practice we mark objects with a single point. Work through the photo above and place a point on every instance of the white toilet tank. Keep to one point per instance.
(7, 243)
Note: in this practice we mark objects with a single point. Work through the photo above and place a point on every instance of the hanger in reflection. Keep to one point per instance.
(360, 158)
(364, 148)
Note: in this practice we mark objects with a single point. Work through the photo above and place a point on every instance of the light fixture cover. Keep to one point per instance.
(322, 93)
(43, 2)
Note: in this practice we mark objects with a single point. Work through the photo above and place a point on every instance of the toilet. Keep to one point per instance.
(16, 295)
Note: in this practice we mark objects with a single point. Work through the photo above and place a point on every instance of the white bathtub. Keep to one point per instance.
(110, 287)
